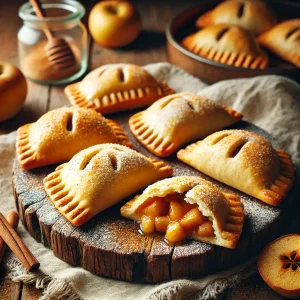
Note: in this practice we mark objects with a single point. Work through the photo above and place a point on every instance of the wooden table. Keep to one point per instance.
(149, 48)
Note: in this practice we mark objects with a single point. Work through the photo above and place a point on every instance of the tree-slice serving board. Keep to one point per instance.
(112, 246)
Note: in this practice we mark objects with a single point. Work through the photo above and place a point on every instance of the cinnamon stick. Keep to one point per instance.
(15, 243)
(13, 220)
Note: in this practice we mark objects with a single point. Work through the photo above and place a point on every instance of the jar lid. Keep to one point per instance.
(70, 10)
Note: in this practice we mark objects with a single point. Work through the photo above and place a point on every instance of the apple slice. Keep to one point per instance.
(279, 265)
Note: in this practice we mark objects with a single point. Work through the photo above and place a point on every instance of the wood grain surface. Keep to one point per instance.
(149, 48)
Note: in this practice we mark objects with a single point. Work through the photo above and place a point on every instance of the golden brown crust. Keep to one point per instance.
(120, 133)
(60, 134)
(254, 16)
(99, 177)
(117, 87)
(284, 41)
(245, 161)
(281, 186)
(224, 210)
(26, 154)
(235, 221)
(178, 119)
(227, 44)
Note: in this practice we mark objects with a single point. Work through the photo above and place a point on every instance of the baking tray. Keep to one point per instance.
(211, 71)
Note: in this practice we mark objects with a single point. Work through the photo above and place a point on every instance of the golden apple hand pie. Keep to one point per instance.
(116, 87)
(61, 133)
(175, 120)
(254, 16)
(227, 44)
(284, 41)
(245, 161)
(188, 206)
(99, 177)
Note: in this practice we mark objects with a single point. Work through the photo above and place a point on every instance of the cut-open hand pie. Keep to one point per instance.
(227, 44)
(284, 41)
(61, 133)
(188, 206)
(116, 87)
(254, 16)
(245, 161)
(178, 119)
(99, 177)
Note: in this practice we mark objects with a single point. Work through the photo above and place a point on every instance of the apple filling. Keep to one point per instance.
(174, 217)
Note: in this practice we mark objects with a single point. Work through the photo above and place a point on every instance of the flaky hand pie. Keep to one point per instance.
(254, 16)
(116, 87)
(175, 120)
(227, 44)
(245, 161)
(61, 133)
(188, 206)
(99, 177)
(284, 41)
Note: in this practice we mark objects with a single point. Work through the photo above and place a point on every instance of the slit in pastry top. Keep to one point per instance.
(188, 206)
(178, 119)
(241, 10)
(61, 133)
(116, 87)
(99, 177)
(245, 161)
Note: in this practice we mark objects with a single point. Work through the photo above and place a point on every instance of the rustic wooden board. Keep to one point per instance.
(110, 245)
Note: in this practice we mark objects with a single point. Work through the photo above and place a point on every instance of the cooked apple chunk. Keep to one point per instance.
(176, 210)
(156, 208)
(205, 229)
(175, 232)
(161, 223)
(192, 219)
(188, 206)
(147, 224)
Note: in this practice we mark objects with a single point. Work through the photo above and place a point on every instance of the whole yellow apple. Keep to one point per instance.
(114, 23)
(13, 90)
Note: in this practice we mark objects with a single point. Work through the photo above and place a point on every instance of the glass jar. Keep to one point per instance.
(63, 19)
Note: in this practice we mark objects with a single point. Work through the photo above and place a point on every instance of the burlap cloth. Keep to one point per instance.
(270, 102)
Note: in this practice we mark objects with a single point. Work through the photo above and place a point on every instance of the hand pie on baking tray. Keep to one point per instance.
(227, 44)
(99, 177)
(284, 41)
(245, 161)
(61, 133)
(116, 87)
(188, 206)
(178, 119)
(254, 16)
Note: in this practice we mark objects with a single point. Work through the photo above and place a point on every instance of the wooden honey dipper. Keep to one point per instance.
(57, 49)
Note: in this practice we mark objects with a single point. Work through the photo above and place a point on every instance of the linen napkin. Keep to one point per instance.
(271, 102)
